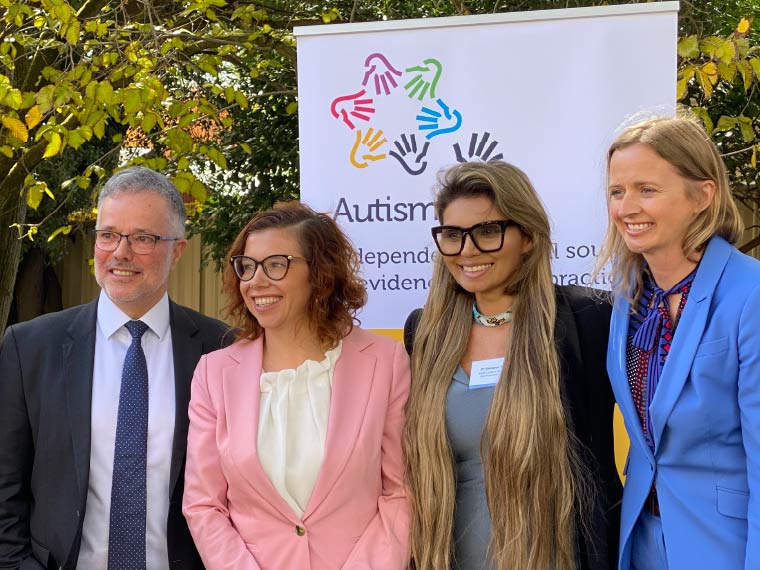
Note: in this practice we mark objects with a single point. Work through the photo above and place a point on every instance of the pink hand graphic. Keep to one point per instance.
(383, 73)
(347, 106)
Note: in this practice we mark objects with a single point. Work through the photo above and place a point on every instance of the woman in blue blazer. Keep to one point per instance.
(684, 352)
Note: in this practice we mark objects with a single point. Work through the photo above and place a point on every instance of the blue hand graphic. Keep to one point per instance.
(422, 82)
(480, 151)
(409, 147)
(429, 120)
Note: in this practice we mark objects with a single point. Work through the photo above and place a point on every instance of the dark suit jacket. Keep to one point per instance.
(46, 368)
(581, 332)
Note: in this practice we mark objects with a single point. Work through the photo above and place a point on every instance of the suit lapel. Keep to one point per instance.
(242, 396)
(688, 335)
(186, 351)
(78, 358)
(568, 348)
(618, 373)
(351, 386)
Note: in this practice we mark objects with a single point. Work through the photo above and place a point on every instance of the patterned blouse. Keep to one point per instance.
(650, 334)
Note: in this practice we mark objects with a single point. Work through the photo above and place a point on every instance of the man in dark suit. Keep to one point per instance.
(93, 402)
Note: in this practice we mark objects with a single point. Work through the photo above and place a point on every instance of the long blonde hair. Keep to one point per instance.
(682, 142)
(527, 455)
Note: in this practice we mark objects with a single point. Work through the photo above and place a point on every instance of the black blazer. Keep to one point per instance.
(46, 368)
(581, 332)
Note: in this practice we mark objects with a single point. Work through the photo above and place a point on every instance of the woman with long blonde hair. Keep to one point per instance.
(519, 475)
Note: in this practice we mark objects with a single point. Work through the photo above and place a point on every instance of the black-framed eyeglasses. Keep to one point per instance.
(107, 240)
(486, 236)
(275, 266)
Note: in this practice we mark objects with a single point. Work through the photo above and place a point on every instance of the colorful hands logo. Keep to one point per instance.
(352, 105)
(384, 78)
(430, 120)
(371, 144)
(435, 117)
(476, 150)
(407, 151)
(426, 79)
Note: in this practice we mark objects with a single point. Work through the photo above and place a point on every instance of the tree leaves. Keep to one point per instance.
(54, 146)
(16, 127)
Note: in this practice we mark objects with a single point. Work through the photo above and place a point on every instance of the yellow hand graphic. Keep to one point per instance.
(372, 143)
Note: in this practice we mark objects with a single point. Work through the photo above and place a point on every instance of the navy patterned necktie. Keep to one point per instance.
(126, 536)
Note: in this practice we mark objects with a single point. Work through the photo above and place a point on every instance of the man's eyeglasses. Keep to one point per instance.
(486, 236)
(106, 240)
(275, 266)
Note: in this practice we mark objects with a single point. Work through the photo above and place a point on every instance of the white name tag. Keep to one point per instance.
(485, 373)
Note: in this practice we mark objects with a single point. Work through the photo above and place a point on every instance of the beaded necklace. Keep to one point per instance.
(493, 320)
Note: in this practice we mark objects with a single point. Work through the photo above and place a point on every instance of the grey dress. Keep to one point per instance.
(581, 335)
(466, 412)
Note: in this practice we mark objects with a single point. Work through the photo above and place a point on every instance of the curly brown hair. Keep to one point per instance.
(337, 291)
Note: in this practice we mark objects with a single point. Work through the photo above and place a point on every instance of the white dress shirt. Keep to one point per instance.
(293, 414)
(111, 343)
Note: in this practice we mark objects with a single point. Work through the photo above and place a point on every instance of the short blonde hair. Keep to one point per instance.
(683, 142)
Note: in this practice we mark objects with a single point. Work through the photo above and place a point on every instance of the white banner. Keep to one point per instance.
(383, 107)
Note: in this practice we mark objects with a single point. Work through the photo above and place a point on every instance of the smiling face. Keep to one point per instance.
(283, 304)
(484, 274)
(651, 204)
(136, 282)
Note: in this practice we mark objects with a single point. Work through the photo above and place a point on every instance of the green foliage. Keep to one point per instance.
(140, 75)
(719, 79)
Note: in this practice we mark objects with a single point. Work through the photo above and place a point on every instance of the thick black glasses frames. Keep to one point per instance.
(486, 236)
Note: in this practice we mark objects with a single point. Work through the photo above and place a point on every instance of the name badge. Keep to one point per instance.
(485, 373)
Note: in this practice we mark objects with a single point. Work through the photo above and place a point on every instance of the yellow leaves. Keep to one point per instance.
(53, 146)
(755, 64)
(72, 32)
(35, 191)
(707, 76)
(187, 183)
(330, 16)
(743, 26)
(148, 122)
(45, 98)
(104, 93)
(132, 100)
(97, 27)
(726, 71)
(726, 51)
(65, 230)
(291, 108)
(16, 127)
(746, 128)
(745, 70)
(33, 117)
(688, 47)
(686, 75)
(704, 116)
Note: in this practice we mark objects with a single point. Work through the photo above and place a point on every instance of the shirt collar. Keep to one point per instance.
(111, 318)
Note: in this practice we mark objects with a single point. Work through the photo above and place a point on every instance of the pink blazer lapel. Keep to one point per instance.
(241, 405)
(351, 387)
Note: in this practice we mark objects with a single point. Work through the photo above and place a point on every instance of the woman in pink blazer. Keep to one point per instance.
(294, 450)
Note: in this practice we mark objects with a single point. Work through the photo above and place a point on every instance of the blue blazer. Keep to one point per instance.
(706, 421)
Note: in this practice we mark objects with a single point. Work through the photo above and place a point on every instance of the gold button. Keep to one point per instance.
(300, 531)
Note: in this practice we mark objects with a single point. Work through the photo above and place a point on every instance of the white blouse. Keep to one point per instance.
(294, 408)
